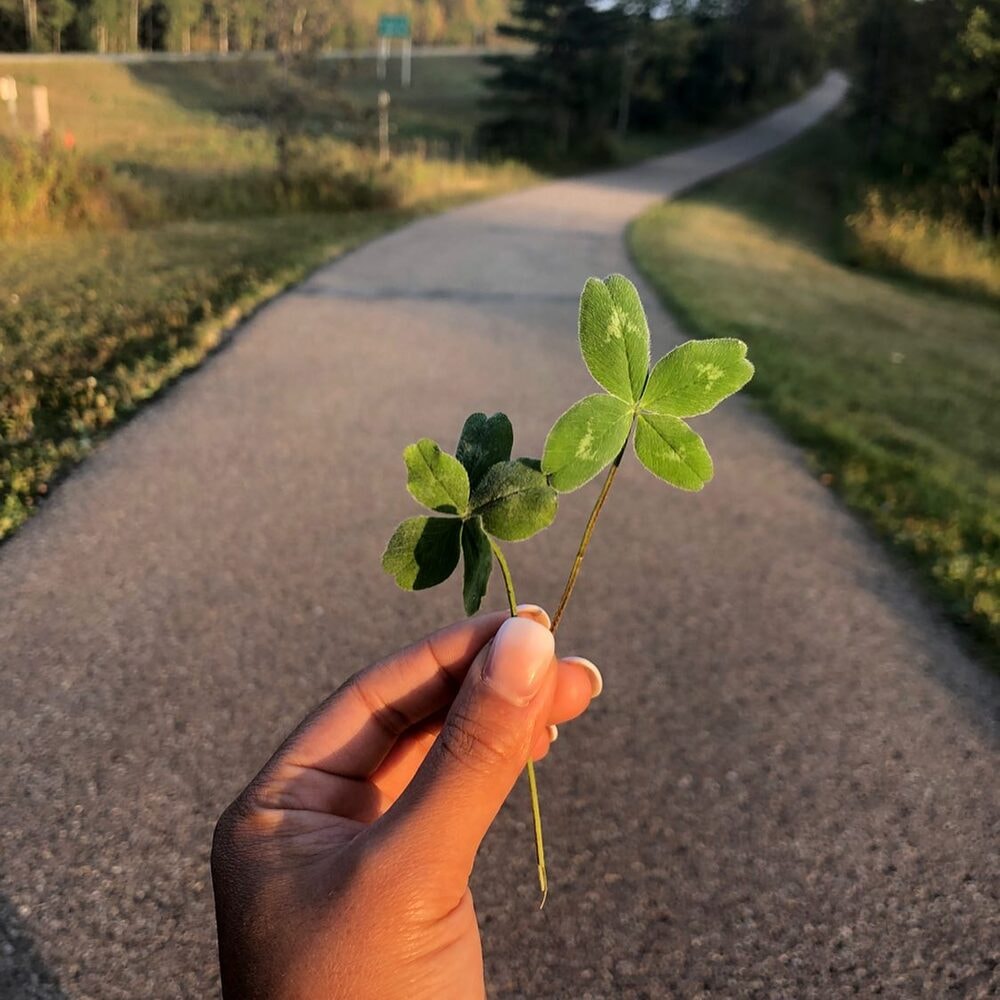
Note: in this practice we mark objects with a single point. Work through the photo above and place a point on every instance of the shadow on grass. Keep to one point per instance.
(254, 93)
(802, 193)
(23, 973)
(303, 97)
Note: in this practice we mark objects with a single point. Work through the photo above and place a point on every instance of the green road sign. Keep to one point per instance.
(393, 26)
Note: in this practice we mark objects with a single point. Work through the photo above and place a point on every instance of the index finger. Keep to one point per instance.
(352, 732)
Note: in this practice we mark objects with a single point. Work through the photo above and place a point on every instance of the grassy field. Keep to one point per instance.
(889, 382)
(190, 227)
(172, 114)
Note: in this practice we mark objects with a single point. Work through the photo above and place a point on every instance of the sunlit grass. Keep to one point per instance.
(890, 386)
(913, 242)
(92, 325)
(125, 259)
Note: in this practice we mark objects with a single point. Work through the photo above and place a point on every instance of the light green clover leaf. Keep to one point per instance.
(614, 336)
(486, 495)
(584, 439)
(695, 377)
(689, 381)
(435, 478)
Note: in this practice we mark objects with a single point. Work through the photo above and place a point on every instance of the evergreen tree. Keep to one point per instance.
(558, 101)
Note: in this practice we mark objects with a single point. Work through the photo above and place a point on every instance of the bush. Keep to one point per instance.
(895, 238)
(311, 175)
(46, 188)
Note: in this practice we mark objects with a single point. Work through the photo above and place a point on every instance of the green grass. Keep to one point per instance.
(92, 326)
(889, 383)
(94, 321)
(199, 138)
(206, 114)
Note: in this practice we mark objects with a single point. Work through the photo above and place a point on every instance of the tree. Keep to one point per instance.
(55, 16)
(183, 16)
(563, 93)
(971, 83)
(106, 17)
(31, 23)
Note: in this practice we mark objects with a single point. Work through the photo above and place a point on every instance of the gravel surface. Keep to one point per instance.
(788, 789)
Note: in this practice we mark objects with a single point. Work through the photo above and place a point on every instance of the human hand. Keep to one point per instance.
(342, 870)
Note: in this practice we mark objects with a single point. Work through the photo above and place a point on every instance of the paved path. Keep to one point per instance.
(789, 788)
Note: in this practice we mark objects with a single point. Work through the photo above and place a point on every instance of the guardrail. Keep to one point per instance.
(419, 51)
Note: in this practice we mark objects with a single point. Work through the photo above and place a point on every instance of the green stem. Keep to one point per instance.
(536, 809)
(508, 581)
(588, 531)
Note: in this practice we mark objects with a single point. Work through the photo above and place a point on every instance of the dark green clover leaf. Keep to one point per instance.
(484, 441)
(514, 500)
(692, 379)
(488, 494)
(423, 551)
(477, 558)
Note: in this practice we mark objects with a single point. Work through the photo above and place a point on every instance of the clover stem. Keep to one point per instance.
(508, 580)
(536, 809)
(588, 531)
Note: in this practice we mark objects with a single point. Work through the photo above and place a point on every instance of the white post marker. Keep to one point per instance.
(407, 60)
(383, 127)
(40, 105)
(8, 94)
(383, 55)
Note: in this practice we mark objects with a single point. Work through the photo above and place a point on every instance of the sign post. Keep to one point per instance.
(383, 55)
(392, 26)
(383, 127)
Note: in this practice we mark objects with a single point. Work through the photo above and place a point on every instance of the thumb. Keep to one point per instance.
(484, 744)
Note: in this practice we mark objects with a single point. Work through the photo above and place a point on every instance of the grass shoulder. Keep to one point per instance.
(94, 324)
(888, 382)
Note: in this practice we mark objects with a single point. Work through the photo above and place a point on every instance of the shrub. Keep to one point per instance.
(895, 238)
(44, 188)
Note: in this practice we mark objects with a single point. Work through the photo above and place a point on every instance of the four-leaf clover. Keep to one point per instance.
(479, 494)
(692, 379)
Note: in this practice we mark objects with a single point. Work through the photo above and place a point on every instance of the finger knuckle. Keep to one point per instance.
(476, 744)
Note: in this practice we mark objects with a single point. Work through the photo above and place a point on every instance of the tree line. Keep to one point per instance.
(927, 86)
(235, 25)
(925, 103)
(926, 73)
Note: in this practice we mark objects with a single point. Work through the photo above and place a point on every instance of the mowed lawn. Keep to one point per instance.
(889, 383)
(221, 113)
(93, 322)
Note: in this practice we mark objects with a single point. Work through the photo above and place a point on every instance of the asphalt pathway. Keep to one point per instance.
(789, 788)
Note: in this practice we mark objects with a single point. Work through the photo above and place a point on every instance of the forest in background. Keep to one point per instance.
(584, 74)
(925, 100)
(223, 26)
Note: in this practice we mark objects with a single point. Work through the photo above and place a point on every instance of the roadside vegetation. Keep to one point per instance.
(172, 199)
(880, 361)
